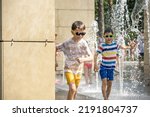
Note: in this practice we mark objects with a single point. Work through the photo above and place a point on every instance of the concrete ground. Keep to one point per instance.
(129, 84)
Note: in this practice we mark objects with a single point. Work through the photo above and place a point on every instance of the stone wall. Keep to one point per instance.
(27, 61)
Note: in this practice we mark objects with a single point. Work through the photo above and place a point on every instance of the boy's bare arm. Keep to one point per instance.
(56, 49)
(125, 47)
(95, 62)
(95, 58)
(89, 58)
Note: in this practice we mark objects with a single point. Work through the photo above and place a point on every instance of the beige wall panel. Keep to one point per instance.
(74, 4)
(63, 34)
(28, 71)
(28, 19)
(66, 18)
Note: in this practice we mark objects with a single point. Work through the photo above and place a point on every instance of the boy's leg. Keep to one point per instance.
(104, 88)
(109, 85)
(77, 82)
(71, 92)
(71, 83)
(141, 58)
(103, 74)
(110, 75)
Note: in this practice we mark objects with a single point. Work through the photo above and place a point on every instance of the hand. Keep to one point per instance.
(56, 65)
(78, 60)
(96, 68)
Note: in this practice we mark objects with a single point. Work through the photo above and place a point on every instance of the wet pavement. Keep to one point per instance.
(129, 84)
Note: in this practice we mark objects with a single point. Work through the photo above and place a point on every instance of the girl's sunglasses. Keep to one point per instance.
(80, 33)
(110, 36)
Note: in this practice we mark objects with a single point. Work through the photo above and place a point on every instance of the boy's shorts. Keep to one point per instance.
(141, 56)
(107, 73)
(73, 78)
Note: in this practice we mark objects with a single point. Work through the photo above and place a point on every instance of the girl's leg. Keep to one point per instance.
(86, 74)
(71, 83)
(90, 76)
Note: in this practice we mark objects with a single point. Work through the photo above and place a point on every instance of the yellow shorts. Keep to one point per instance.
(73, 78)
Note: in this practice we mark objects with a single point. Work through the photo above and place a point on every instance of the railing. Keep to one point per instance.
(12, 41)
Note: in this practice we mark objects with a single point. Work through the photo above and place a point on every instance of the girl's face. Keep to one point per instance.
(108, 38)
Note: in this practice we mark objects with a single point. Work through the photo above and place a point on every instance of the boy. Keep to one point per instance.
(76, 52)
(109, 51)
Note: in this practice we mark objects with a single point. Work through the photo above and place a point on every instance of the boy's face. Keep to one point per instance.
(108, 37)
(78, 33)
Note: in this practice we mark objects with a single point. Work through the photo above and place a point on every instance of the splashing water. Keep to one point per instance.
(92, 42)
(119, 25)
(120, 13)
(92, 38)
(135, 16)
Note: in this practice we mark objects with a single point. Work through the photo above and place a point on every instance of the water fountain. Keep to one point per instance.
(118, 26)
(131, 86)
(135, 16)
(92, 41)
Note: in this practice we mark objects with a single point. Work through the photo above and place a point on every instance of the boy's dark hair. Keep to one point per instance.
(78, 25)
(108, 30)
